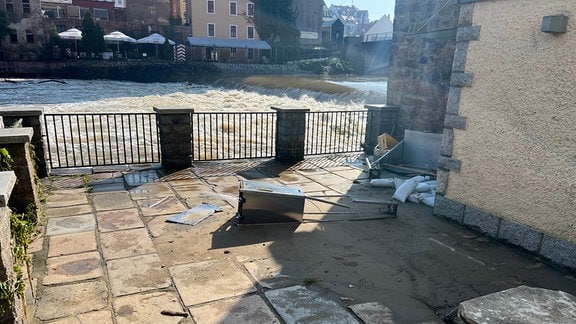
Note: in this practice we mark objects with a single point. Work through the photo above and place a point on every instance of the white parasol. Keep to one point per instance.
(117, 37)
(73, 34)
(155, 39)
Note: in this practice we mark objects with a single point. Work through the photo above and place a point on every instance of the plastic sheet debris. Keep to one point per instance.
(195, 215)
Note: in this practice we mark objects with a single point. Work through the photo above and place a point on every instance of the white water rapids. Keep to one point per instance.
(97, 96)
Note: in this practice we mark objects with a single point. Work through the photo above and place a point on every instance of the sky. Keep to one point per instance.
(376, 8)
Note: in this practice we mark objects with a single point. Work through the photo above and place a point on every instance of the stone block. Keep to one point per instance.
(460, 55)
(484, 222)
(453, 121)
(468, 33)
(466, 13)
(520, 235)
(449, 163)
(559, 251)
(461, 79)
(449, 208)
(447, 145)
(453, 104)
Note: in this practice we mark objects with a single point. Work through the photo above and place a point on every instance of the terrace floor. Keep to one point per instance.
(107, 254)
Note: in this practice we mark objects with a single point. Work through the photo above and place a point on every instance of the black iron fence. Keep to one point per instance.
(335, 131)
(82, 140)
(79, 140)
(225, 136)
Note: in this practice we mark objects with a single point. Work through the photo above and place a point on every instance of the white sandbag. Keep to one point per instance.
(423, 187)
(383, 183)
(419, 179)
(429, 201)
(398, 182)
(405, 190)
(415, 198)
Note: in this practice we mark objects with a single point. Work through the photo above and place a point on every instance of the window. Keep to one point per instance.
(250, 32)
(233, 31)
(29, 36)
(9, 5)
(84, 11)
(250, 54)
(250, 9)
(211, 30)
(233, 52)
(233, 11)
(26, 6)
(14, 38)
(210, 6)
(101, 14)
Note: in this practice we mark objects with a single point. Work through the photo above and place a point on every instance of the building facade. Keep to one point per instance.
(223, 31)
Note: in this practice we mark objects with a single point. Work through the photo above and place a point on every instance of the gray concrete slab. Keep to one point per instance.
(126, 278)
(115, 220)
(522, 304)
(73, 267)
(107, 187)
(146, 308)
(65, 198)
(297, 304)
(373, 313)
(71, 244)
(71, 300)
(251, 309)
(68, 210)
(268, 273)
(70, 224)
(126, 243)
(225, 278)
(111, 201)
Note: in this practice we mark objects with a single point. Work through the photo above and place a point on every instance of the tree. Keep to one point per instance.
(275, 21)
(4, 29)
(92, 35)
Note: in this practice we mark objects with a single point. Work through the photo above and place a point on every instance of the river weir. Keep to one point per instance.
(236, 95)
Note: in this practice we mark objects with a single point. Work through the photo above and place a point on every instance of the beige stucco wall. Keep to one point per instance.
(221, 18)
(518, 152)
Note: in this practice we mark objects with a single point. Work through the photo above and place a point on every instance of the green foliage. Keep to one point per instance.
(327, 66)
(5, 160)
(92, 35)
(275, 21)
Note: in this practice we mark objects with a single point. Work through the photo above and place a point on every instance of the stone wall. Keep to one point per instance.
(421, 63)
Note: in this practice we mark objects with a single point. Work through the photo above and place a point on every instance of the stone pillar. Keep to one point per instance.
(381, 119)
(175, 128)
(290, 133)
(7, 180)
(30, 118)
(17, 142)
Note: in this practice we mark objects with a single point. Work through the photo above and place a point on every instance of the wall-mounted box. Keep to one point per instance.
(554, 24)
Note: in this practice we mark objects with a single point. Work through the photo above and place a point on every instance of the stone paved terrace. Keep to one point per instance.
(107, 255)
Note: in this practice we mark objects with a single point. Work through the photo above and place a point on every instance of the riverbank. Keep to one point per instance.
(137, 70)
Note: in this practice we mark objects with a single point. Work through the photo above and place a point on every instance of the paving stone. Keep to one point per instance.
(251, 309)
(309, 187)
(292, 178)
(126, 243)
(372, 313)
(158, 226)
(297, 304)
(111, 201)
(160, 206)
(100, 317)
(146, 308)
(126, 278)
(268, 273)
(151, 190)
(70, 300)
(71, 243)
(74, 267)
(68, 211)
(70, 224)
(137, 178)
(108, 187)
(114, 220)
(210, 280)
(66, 198)
(520, 305)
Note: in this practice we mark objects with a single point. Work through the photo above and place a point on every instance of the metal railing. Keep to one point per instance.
(82, 140)
(335, 131)
(224, 136)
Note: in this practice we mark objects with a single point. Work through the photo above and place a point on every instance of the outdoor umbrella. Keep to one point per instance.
(155, 39)
(72, 33)
(117, 37)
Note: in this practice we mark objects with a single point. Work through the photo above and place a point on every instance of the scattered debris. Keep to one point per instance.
(173, 313)
(195, 215)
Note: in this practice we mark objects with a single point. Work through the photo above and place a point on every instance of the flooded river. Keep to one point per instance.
(56, 96)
